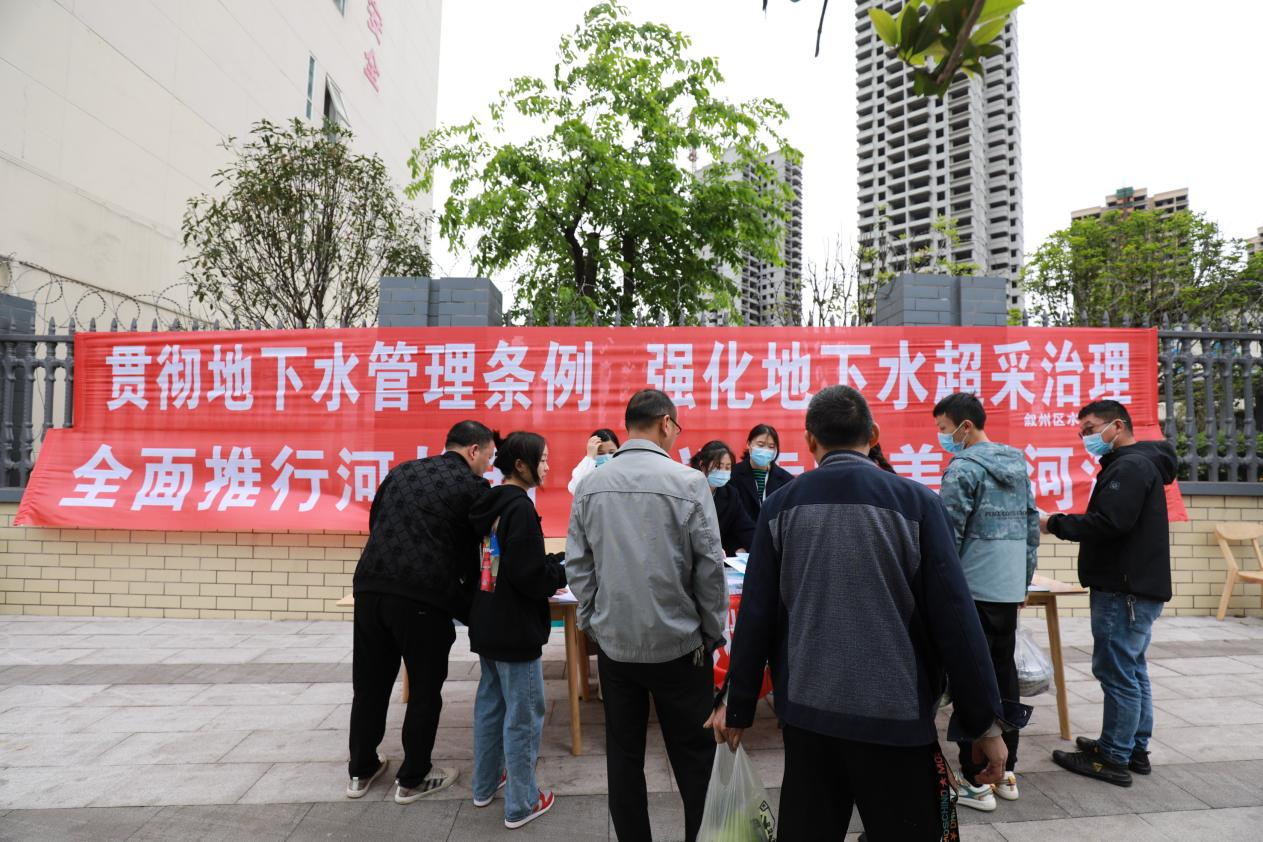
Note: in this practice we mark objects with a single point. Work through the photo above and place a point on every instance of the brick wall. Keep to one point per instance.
(301, 576)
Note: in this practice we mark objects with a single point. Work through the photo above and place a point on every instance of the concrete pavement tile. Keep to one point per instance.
(585, 775)
(50, 628)
(1224, 743)
(1238, 784)
(55, 749)
(47, 695)
(293, 783)
(582, 819)
(144, 695)
(49, 787)
(769, 765)
(1212, 712)
(249, 694)
(326, 693)
(212, 656)
(299, 641)
(1241, 824)
(355, 821)
(1129, 827)
(123, 656)
(37, 720)
(1080, 796)
(1032, 805)
(202, 783)
(13, 656)
(295, 655)
(1086, 717)
(159, 748)
(1205, 665)
(290, 747)
(1215, 686)
(267, 717)
(223, 823)
(146, 719)
(76, 825)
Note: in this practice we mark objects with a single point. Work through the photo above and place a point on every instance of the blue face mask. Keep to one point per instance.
(718, 479)
(949, 443)
(602, 458)
(762, 456)
(1097, 446)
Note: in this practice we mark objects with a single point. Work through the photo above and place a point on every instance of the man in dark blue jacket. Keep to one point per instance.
(854, 594)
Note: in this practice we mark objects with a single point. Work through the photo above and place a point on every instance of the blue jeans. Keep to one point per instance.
(508, 719)
(1122, 626)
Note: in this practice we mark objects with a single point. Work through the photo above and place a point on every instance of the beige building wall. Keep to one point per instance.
(301, 576)
(114, 111)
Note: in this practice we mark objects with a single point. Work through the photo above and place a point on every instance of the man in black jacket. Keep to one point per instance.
(419, 569)
(1125, 559)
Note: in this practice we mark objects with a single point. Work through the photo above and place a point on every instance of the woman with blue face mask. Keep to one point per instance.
(736, 529)
(757, 475)
(601, 447)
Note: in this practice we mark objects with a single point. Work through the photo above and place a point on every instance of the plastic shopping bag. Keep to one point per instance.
(1034, 669)
(737, 809)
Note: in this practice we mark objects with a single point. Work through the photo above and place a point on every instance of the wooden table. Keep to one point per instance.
(577, 667)
(1048, 601)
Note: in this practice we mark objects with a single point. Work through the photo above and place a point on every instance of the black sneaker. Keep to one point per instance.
(1092, 765)
(1139, 758)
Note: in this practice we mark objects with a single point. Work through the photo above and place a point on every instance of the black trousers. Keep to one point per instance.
(683, 693)
(999, 626)
(902, 793)
(388, 628)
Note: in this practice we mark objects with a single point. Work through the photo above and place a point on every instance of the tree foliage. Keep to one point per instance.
(1142, 264)
(300, 230)
(598, 210)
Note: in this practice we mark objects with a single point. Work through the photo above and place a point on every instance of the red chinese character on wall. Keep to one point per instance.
(375, 20)
(370, 69)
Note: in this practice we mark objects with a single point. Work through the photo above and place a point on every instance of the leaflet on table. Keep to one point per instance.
(737, 563)
(564, 597)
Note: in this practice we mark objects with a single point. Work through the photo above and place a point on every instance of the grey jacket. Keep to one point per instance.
(644, 559)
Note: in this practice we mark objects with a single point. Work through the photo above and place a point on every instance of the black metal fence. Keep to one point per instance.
(1210, 390)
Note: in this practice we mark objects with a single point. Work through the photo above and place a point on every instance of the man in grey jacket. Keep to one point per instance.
(644, 559)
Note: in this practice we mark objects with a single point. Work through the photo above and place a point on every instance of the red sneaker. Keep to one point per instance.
(545, 804)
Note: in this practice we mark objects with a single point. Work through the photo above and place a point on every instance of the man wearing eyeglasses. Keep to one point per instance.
(644, 559)
(1125, 559)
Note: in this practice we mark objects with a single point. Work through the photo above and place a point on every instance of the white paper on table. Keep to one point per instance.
(738, 564)
(565, 597)
(1033, 588)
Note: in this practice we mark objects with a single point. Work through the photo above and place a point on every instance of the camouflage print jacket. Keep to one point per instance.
(992, 511)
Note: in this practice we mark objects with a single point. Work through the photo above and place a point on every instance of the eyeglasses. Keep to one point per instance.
(1090, 432)
(679, 430)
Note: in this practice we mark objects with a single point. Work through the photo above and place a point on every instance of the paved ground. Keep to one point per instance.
(186, 729)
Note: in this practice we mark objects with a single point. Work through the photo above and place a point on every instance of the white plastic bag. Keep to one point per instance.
(1034, 669)
(737, 809)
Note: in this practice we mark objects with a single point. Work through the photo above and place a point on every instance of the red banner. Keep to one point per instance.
(279, 430)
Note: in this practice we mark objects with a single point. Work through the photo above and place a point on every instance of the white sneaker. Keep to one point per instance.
(358, 786)
(977, 797)
(542, 806)
(438, 780)
(1007, 788)
(483, 802)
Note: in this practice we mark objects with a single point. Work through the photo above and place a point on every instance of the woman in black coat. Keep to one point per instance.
(757, 475)
(736, 529)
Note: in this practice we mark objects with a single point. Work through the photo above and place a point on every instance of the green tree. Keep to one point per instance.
(300, 230)
(598, 211)
(938, 38)
(1141, 264)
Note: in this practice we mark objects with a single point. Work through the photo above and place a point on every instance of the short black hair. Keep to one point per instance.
(762, 430)
(646, 407)
(529, 447)
(1107, 411)
(961, 407)
(710, 455)
(606, 434)
(466, 433)
(838, 416)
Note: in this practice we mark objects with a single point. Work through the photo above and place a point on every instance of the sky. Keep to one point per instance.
(1146, 93)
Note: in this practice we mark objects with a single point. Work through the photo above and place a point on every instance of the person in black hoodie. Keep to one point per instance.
(418, 570)
(1125, 559)
(757, 475)
(509, 626)
(736, 529)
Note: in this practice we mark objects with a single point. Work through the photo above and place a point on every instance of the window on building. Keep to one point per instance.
(311, 82)
(335, 109)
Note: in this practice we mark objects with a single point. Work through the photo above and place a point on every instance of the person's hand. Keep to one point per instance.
(594, 444)
(1043, 525)
(995, 752)
(723, 734)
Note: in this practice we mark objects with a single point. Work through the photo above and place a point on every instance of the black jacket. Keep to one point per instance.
(748, 492)
(512, 622)
(736, 528)
(1124, 543)
(420, 543)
